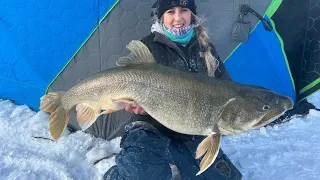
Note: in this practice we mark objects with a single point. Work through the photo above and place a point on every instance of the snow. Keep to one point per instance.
(25, 156)
(288, 151)
(315, 99)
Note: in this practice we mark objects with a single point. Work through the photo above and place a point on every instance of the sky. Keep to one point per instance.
(288, 151)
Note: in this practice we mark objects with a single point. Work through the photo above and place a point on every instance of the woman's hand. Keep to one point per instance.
(136, 109)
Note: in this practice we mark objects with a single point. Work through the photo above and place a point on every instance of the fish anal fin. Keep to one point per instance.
(87, 115)
(210, 147)
(88, 112)
(139, 54)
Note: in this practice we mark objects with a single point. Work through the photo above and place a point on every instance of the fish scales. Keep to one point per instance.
(184, 102)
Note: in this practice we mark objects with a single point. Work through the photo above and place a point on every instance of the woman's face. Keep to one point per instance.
(177, 17)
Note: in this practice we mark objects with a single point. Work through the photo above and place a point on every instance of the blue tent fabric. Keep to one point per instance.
(38, 38)
(261, 62)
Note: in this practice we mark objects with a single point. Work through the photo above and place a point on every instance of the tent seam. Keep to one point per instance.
(284, 53)
(82, 44)
(19, 82)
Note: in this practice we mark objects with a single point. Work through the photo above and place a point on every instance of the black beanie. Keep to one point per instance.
(163, 5)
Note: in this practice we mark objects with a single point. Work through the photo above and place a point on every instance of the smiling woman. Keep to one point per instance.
(176, 18)
(178, 40)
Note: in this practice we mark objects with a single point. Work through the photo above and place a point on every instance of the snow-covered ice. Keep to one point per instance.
(288, 151)
(26, 154)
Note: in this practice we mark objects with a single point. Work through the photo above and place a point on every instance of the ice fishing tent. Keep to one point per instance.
(51, 45)
(298, 23)
(37, 40)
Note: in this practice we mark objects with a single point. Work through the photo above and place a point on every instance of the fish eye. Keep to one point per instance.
(266, 107)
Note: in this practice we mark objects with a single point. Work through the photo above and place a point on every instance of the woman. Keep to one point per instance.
(150, 150)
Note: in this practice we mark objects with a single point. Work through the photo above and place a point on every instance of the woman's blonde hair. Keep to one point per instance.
(211, 62)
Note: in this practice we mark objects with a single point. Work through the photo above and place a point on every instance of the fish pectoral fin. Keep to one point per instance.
(210, 147)
(87, 115)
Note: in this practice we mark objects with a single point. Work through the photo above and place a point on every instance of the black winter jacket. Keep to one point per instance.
(188, 58)
(156, 152)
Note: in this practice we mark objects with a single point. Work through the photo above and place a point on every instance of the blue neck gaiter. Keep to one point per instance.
(182, 39)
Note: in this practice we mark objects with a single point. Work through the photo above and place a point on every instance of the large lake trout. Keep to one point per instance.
(184, 102)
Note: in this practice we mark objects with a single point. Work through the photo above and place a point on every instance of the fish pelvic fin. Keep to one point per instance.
(59, 117)
(139, 54)
(209, 147)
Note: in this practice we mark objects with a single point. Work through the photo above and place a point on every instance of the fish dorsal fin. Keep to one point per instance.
(87, 114)
(139, 54)
(210, 147)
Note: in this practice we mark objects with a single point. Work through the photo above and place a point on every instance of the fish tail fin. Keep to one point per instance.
(58, 118)
(58, 122)
(51, 101)
(139, 54)
(210, 147)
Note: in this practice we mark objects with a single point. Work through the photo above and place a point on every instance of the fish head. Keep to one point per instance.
(253, 107)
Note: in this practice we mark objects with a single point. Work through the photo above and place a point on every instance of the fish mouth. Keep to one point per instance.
(285, 105)
(265, 119)
(288, 103)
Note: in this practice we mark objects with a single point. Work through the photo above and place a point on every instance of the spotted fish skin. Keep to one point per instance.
(184, 102)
